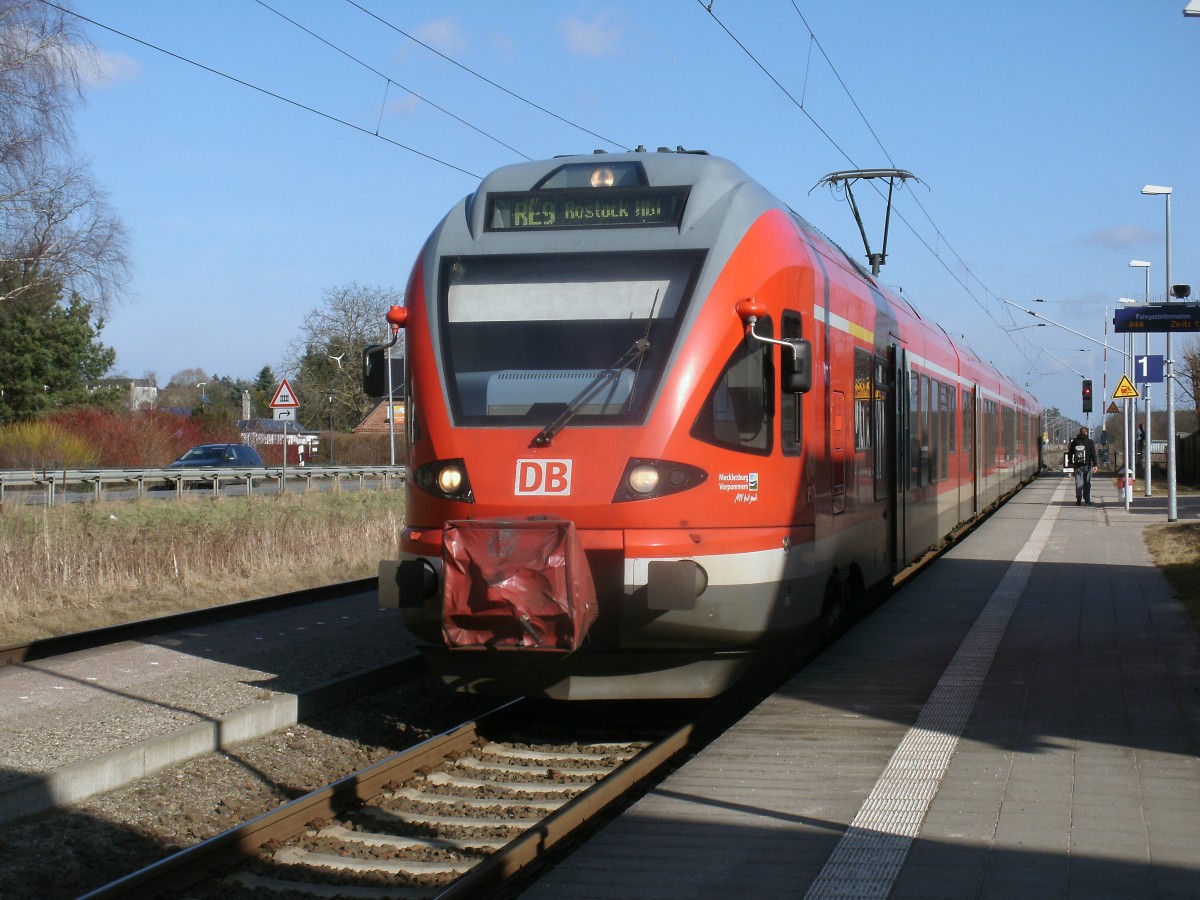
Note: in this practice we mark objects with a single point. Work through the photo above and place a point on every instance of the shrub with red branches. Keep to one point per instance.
(144, 439)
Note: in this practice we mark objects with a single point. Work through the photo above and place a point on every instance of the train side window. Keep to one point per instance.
(738, 410)
(862, 400)
(412, 427)
(789, 403)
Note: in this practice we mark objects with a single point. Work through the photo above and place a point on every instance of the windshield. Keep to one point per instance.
(525, 337)
(204, 454)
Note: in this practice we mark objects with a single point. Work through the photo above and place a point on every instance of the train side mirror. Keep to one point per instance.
(796, 353)
(797, 366)
(375, 357)
(374, 373)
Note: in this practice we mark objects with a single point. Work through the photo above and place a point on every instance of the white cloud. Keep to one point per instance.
(403, 105)
(104, 70)
(1123, 237)
(591, 38)
(443, 34)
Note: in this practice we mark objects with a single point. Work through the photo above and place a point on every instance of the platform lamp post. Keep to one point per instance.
(1142, 264)
(1169, 374)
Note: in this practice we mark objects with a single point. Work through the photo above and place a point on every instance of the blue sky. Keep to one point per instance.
(1033, 125)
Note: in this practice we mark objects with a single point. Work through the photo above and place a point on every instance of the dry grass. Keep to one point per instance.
(1175, 548)
(79, 566)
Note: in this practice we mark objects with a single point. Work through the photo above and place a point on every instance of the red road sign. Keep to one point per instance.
(285, 397)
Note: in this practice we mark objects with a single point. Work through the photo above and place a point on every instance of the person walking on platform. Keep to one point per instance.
(1081, 453)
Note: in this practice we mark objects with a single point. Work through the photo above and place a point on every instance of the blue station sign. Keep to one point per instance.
(1167, 317)
(1148, 369)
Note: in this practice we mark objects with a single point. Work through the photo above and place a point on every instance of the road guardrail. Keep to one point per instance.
(139, 481)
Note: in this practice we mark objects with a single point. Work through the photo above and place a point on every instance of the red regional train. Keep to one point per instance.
(658, 424)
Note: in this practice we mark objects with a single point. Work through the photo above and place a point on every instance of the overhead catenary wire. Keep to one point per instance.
(985, 308)
(485, 79)
(799, 104)
(261, 90)
(389, 81)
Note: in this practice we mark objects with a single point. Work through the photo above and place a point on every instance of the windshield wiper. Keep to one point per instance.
(632, 355)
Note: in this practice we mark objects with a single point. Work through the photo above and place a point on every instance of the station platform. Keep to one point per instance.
(1022, 720)
(91, 721)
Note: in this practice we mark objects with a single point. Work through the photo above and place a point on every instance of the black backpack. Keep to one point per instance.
(1079, 454)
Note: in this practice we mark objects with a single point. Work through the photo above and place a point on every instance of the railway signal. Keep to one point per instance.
(1087, 395)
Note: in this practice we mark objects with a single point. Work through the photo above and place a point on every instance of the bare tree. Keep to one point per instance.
(55, 222)
(1188, 372)
(324, 364)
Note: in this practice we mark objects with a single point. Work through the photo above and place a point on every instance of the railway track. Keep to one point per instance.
(461, 814)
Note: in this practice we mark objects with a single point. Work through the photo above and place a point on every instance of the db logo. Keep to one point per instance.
(544, 476)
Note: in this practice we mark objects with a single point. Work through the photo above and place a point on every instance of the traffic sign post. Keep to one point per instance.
(1124, 389)
(284, 405)
(1148, 369)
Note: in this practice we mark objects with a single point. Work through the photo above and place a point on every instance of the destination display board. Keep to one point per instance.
(608, 208)
(1168, 317)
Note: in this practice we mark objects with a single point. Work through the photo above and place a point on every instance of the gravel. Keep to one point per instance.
(78, 849)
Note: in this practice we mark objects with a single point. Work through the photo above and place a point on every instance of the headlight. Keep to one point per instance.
(449, 479)
(444, 478)
(603, 177)
(645, 479)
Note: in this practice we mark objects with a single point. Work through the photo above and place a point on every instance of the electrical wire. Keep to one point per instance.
(899, 213)
(484, 78)
(917, 200)
(390, 81)
(262, 90)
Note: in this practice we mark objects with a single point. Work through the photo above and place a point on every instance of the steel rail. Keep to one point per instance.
(181, 870)
(184, 869)
(495, 874)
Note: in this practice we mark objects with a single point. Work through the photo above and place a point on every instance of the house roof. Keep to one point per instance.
(376, 421)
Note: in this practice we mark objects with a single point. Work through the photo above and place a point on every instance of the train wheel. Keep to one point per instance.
(833, 611)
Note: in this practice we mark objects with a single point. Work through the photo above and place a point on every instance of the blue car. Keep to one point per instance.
(223, 455)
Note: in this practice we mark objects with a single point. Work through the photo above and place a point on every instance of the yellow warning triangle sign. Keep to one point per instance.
(1125, 390)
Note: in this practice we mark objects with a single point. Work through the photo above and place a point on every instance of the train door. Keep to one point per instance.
(902, 469)
(883, 427)
(837, 449)
(971, 430)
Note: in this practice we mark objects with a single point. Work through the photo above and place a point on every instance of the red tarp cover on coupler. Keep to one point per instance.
(515, 583)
